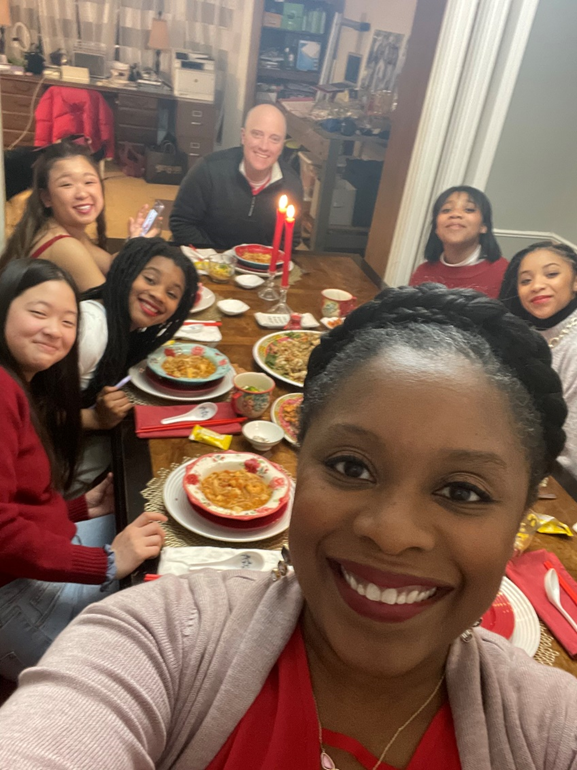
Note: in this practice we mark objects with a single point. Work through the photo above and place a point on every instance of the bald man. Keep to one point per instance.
(230, 197)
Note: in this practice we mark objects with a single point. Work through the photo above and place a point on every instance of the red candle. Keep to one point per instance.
(288, 245)
(280, 217)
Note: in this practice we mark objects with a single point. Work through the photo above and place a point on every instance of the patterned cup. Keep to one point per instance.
(337, 303)
(252, 394)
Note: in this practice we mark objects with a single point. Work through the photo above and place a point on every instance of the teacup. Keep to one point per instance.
(253, 394)
(337, 303)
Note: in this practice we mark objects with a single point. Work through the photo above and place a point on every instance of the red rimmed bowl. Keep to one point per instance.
(155, 361)
(246, 256)
(271, 474)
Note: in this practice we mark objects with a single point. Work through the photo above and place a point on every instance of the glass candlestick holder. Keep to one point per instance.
(281, 307)
(268, 290)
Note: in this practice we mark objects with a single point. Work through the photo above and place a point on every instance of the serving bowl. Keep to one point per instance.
(244, 252)
(262, 434)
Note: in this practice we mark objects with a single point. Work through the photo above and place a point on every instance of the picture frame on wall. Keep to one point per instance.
(383, 62)
(308, 55)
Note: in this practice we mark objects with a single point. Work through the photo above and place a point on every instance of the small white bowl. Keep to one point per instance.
(262, 434)
(249, 281)
(232, 306)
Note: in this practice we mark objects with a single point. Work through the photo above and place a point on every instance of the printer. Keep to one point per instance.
(193, 76)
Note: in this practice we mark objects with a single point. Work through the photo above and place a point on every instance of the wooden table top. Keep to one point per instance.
(137, 460)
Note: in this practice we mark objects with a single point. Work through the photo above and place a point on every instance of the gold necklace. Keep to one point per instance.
(327, 763)
(554, 341)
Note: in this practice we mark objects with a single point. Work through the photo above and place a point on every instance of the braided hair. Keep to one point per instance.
(124, 347)
(509, 293)
(489, 247)
(434, 319)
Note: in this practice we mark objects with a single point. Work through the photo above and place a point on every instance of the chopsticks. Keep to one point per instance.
(151, 576)
(202, 323)
(184, 424)
(562, 582)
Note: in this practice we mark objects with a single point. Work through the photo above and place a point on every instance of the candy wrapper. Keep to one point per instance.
(549, 525)
(526, 532)
(206, 436)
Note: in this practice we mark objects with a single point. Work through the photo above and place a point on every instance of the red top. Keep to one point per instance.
(41, 249)
(485, 276)
(280, 729)
(36, 523)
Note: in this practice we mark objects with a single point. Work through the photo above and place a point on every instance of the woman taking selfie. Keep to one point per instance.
(424, 436)
(540, 286)
(67, 197)
(462, 251)
(54, 560)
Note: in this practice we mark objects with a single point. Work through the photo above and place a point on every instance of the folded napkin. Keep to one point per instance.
(147, 416)
(275, 321)
(199, 333)
(528, 573)
(176, 561)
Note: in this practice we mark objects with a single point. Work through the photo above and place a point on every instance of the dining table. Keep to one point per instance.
(141, 465)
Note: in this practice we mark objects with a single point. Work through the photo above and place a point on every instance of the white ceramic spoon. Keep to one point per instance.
(242, 560)
(554, 595)
(200, 412)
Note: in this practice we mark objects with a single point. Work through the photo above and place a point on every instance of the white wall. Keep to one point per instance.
(388, 15)
(533, 180)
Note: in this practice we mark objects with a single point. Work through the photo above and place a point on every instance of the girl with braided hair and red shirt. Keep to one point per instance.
(424, 437)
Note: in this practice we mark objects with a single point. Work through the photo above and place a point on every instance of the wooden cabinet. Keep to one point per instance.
(136, 115)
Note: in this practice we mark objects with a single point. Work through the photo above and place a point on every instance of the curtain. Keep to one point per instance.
(58, 25)
(134, 22)
(97, 20)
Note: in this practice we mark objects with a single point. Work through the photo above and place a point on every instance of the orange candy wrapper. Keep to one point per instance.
(206, 436)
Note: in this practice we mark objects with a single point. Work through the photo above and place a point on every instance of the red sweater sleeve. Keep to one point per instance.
(36, 531)
(77, 509)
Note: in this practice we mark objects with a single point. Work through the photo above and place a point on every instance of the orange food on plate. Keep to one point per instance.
(236, 490)
(190, 367)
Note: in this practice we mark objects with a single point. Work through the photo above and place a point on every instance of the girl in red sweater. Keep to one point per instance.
(462, 251)
(50, 569)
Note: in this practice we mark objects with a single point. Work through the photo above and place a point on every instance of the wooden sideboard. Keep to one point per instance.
(137, 114)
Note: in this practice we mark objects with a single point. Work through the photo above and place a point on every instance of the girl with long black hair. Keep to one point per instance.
(54, 557)
(147, 295)
(462, 251)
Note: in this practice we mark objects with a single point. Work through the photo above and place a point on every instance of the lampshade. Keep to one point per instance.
(159, 39)
(5, 20)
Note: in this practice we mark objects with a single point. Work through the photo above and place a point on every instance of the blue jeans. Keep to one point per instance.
(33, 612)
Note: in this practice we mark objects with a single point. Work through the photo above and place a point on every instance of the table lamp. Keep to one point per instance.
(159, 39)
(5, 21)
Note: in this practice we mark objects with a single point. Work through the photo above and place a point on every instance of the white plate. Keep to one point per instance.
(142, 382)
(181, 510)
(262, 273)
(267, 369)
(527, 633)
(207, 299)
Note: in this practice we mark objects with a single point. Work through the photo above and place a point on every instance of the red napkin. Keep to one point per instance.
(528, 573)
(147, 416)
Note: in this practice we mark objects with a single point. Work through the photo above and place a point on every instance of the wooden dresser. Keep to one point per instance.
(137, 114)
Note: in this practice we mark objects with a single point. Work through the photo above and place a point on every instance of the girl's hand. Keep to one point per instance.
(112, 406)
(100, 500)
(140, 540)
(135, 224)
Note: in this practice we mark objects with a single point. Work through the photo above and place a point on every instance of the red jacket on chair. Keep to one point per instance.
(65, 111)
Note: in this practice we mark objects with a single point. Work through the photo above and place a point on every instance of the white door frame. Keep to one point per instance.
(478, 57)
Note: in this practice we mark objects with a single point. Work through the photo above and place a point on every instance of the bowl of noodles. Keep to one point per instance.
(285, 355)
(185, 366)
(256, 257)
(238, 488)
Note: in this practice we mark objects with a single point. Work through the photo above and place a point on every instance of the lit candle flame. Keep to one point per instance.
(290, 213)
(283, 203)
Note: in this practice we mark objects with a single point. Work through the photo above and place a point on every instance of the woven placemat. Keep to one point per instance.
(545, 652)
(177, 535)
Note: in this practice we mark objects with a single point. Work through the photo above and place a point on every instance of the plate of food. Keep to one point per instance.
(256, 257)
(527, 632)
(236, 485)
(205, 298)
(182, 511)
(285, 412)
(285, 355)
(140, 380)
(186, 366)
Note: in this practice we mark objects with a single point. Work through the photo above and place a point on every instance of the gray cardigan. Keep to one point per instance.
(158, 676)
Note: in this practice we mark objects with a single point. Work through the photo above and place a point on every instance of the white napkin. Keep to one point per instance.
(176, 561)
(199, 333)
(277, 321)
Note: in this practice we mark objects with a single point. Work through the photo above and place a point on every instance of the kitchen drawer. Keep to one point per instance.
(20, 87)
(137, 102)
(11, 136)
(16, 103)
(195, 119)
(137, 134)
(15, 121)
(126, 117)
(194, 146)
